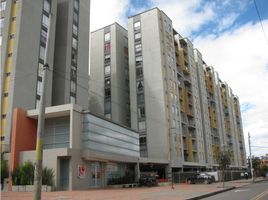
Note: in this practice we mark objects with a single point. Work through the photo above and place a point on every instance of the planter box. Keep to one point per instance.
(22, 188)
(30, 188)
(15, 188)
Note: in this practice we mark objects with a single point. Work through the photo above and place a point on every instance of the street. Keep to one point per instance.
(256, 191)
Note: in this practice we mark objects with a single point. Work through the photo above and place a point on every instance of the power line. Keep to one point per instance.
(257, 10)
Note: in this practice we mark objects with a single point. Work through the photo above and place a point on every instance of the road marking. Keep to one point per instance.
(259, 196)
(241, 190)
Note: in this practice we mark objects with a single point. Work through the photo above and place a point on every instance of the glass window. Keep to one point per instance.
(75, 17)
(39, 87)
(73, 86)
(137, 36)
(137, 26)
(107, 37)
(75, 30)
(2, 21)
(107, 107)
(74, 57)
(74, 43)
(107, 93)
(45, 20)
(3, 5)
(139, 86)
(40, 70)
(42, 53)
(107, 70)
(138, 60)
(76, 5)
(43, 36)
(143, 140)
(73, 73)
(141, 112)
(37, 103)
(107, 82)
(46, 6)
(107, 58)
(140, 98)
(72, 99)
(138, 47)
(142, 126)
(107, 47)
(139, 72)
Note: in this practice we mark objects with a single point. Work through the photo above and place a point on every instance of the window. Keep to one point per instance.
(74, 44)
(107, 93)
(107, 70)
(39, 87)
(74, 57)
(141, 112)
(2, 21)
(139, 86)
(107, 47)
(40, 70)
(76, 5)
(107, 107)
(45, 20)
(138, 60)
(107, 37)
(137, 26)
(107, 82)
(75, 30)
(139, 72)
(73, 86)
(37, 103)
(72, 99)
(138, 47)
(43, 36)
(46, 6)
(140, 98)
(75, 17)
(142, 126)
(73, 73)
(3, 5)
(137, 36)
(107, 58)
(42, 53)
(143, 140)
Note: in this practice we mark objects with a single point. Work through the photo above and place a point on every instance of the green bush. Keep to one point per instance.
(27, 173)
(47, 176)
(16, 177)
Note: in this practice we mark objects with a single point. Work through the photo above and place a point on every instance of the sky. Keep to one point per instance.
(231, 37)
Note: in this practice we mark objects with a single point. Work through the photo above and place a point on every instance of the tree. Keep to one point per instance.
(4, 171)
(224, 159)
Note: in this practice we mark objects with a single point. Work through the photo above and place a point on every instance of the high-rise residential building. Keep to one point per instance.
(109, 74)
(24, 31)
(177, 102)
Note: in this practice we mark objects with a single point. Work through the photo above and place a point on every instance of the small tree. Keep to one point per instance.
(47, 176)
(224, 159)
(4, 171)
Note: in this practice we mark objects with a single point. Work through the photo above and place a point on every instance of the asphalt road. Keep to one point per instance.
(256, 191)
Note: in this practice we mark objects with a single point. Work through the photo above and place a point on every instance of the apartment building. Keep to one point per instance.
(24, 31)
(177, 101)
(109, 82)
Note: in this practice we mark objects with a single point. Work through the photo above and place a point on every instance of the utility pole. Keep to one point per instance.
(250, 158)
(40, 125)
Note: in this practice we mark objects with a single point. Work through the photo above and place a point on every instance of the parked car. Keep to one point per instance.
(204, 174)
(148, 179)
(200, 178)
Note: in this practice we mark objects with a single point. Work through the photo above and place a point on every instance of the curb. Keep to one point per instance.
(211, 194)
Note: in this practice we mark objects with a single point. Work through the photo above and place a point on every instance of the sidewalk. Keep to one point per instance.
(180, 191)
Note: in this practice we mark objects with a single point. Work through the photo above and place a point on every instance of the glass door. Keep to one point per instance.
(95, 174)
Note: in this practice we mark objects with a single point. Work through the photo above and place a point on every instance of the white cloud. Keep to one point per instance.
(184, 14)
(103, 13)
(241, 59)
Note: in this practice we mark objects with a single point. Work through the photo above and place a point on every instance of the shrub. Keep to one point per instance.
(16, 177)
(27, 173)
(47, 176)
